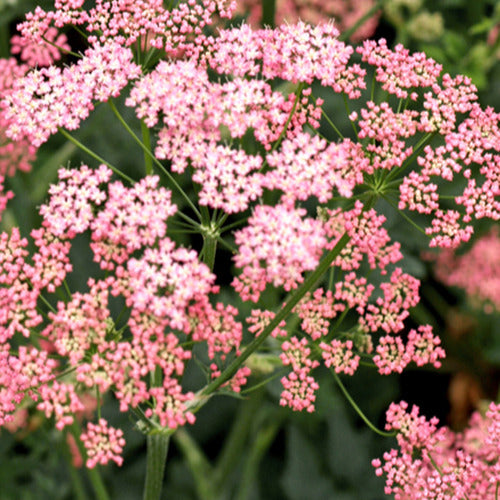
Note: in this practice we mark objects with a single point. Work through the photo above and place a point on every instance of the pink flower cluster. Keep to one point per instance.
(51, 98)
(128, 22)
(165, 288)
(265, 249)
(278, 246)
(298, 385)
(476, 271)
(14, 155)
(435, 462)
(103, 444)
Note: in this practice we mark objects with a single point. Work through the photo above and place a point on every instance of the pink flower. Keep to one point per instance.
(476, 271)
(103, 444)
(438, 463)
(277, 246)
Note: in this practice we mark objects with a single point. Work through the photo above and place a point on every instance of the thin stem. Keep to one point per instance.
(330, 122)
(66, 288)
(198, 463)
(98, 402)
(298, 93)
(146, 138)
(262, 383)
(308, 283)
(66, 51)
(259, 446)
(346, 104)
(357, 408)
(78, 487)
(234, 445)
(154, 159)
(410, 159)
(233, 224)
(402, 214)
(94, 155)
(81, 32)
(157, 448)
(47, 303)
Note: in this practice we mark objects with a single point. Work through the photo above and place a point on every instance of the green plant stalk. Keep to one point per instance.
(234, 444)
(307, 285)
(78, 488)
(146, 139)
(154, 159)
(358, 409)
(268, 13)
(198, 464)
(260, 445)
(209, 249)
(84, 148)
(93, 474)
(157, 447)
(76, 481)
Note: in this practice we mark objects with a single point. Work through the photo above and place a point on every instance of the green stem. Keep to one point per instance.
(66, 51)
(146, 139)
(199, 465)
(268, 13)
(76, 142)
(209, 249)
(76, 480)
(306, 286)
(416, 151)
(234, 445)
(157, 447)
(78, 488)
(298, 93)
(148, 152)
(259, 446)
(402, 214)
(330, 122)
(346, 104)
(358, 409)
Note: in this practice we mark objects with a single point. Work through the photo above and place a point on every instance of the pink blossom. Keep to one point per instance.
(287, 241)
(14, 155)
(477, 271)
(298, 386)
(340, 356)
(50, 98)
(435, 462)
(103, 444)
